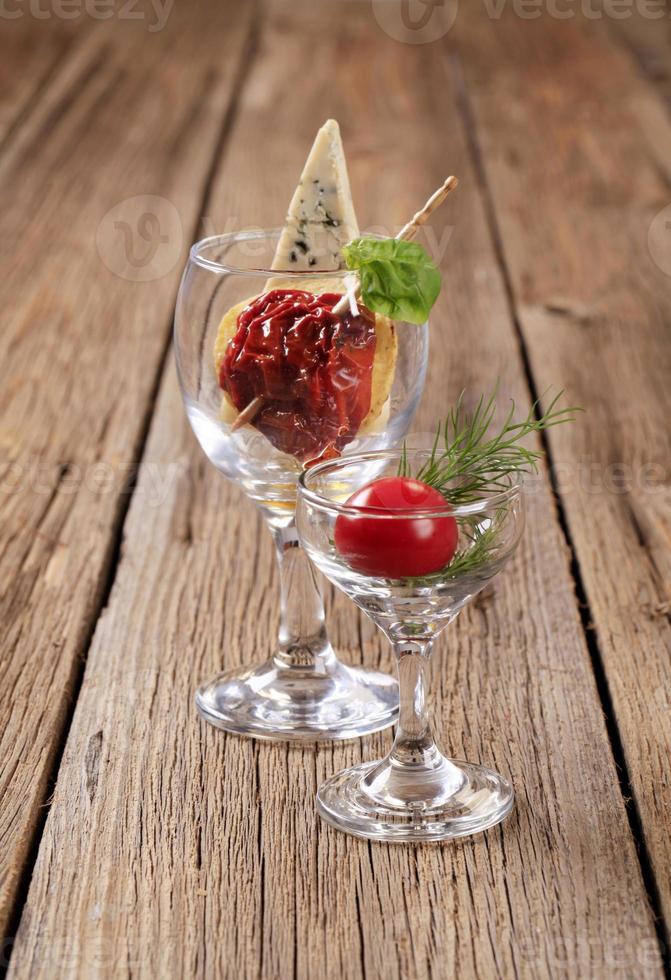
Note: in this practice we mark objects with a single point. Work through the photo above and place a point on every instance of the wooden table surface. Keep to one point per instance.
(137, 841)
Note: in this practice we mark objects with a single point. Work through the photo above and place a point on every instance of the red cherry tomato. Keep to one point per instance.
(396, 547)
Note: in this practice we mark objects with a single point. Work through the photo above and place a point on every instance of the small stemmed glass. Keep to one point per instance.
(416, 793)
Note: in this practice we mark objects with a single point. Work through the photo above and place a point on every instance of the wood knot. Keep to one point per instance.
(92, 763)
(571, 309)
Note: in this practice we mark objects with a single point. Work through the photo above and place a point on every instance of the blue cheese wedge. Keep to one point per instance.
(321, 216)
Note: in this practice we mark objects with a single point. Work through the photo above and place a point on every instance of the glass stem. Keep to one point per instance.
(302, 642)
(415, 773)
(414, 745)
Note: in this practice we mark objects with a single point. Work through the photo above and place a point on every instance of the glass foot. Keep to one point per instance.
(367, 801)
(300, 704)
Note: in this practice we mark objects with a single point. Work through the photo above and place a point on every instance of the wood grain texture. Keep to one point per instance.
(648, 39)
(81, 348)
(576, 150)
(173, 848)
(30, 60)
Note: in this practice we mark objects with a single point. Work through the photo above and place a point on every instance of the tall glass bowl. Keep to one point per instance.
(303, 692)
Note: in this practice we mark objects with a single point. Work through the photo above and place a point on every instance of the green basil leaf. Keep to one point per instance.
(397, 278)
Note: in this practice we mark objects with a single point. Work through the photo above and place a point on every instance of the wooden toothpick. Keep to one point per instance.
(248, 413)
(406, 234)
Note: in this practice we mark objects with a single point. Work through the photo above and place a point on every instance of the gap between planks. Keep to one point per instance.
(109, 569)
(364, 951)
(648, 48)
(464, 108)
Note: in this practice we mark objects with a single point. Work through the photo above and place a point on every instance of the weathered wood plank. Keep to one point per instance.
(29, 59)
(579, 174)
(130, 113)
(647, 35)
(170, 846)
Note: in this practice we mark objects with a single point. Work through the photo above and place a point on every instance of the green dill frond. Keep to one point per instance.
(466, 463)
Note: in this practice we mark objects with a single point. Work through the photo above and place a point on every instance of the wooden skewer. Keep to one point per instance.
(406, 234)
(248, 413)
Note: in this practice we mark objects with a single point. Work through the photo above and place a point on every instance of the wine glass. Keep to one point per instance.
(303, 692)
(416, 793)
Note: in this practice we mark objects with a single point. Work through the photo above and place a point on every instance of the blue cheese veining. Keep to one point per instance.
(321, 216)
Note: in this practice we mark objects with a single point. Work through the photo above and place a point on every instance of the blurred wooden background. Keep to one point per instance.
(134, 840)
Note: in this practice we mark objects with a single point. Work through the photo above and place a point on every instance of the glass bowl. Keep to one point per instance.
(303, 692)
(416, 793)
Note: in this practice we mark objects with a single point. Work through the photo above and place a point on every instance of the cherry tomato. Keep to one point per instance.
(396, 547)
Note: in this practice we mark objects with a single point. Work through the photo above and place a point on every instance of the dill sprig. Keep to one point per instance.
(477, 553)
(466, 463)
(482, 546)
